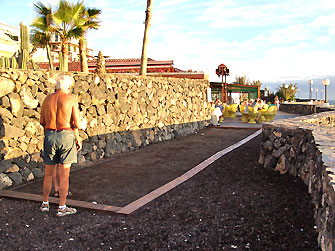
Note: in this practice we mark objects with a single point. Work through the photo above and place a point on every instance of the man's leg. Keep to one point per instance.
(50, 171)
(64, 174)
(55, 182)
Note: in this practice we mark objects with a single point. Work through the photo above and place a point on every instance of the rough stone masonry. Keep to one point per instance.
(119, 113)
(304, 147)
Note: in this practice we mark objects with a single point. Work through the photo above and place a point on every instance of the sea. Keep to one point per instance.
(331, 101)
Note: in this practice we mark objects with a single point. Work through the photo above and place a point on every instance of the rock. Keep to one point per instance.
(280, 151)
(6, 86)
(5, 165)
(16, 178)
(26, 174)
(10, 132)
(281, 165)
(4, 113)
(40, 97)
(136, 138)
(12, 152)
(269, 161)
(30, 129)
(20, 122)
(4, 102)
(14, 168)
(37, 172)
(268, 146)
(16, 104)
(27, 97)
(5, 181)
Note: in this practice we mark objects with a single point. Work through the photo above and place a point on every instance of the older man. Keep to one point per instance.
(60, 119)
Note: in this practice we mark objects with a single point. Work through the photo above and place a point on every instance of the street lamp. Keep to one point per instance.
(326, 82)
(321, 94)
(310, 82)
(298, 90)
(316, 94)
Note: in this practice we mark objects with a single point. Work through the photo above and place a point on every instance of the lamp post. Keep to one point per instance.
(326, 82)
(310, 82)
(321, 94)
(298, 96)
(316, 94)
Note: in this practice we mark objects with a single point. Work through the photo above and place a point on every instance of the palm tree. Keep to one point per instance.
(242, 80)
(257, 83)
(91, 22)
(143, 69)
(68, 21)
(42, 29)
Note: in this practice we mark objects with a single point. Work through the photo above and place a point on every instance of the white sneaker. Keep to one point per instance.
(45, 207)
(66, 211)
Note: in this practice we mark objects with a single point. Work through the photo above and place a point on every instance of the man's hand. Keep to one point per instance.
(79, 145)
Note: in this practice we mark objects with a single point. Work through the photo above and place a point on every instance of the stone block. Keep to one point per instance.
(16, 178)
(16, 104)
(4, 102)
(5, 165)
(7, 86)
(10, 132)
(5, 181)
(37, 172)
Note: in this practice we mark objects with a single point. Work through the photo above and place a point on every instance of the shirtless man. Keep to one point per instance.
(60, 119)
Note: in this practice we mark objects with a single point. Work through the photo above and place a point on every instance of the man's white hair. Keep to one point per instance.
(64, 82)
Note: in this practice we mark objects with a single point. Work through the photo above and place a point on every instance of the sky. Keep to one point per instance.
(274, 41)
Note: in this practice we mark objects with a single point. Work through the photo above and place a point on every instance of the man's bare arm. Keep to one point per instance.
(75, 123)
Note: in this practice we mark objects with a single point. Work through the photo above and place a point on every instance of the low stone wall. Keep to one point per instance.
(304, 109)
(119, 114)
(304, 147)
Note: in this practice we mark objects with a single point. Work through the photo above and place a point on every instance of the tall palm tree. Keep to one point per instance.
(67, 24)
(143, 68)
(42, 29)
(91, 22)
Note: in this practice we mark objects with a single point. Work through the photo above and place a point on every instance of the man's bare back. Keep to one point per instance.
(60, 110)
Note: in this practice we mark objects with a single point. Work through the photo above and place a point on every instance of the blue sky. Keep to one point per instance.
(274, 41)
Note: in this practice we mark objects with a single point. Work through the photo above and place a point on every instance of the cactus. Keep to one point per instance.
(24, 59)
(2, 61)
(24, 34)
(14, 64)
(7, 62)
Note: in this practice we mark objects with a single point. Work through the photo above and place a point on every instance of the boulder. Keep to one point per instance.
(5, 181)
(28, 98)
(4, 113)
(5, 165)
(16, 104)
(6, 86)
(16, 178)
(9, 131)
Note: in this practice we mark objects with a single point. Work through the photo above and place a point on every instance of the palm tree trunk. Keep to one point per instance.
(65, 50)
(82, 52)
(51, 66)
(143, 69)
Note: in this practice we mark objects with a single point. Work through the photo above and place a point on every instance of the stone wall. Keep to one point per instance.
(304, 147)
(303, 108)
(119, 114)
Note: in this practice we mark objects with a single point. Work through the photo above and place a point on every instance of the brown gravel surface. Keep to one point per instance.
(232, 205)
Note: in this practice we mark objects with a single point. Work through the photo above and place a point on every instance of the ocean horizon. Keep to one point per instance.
(331, 101)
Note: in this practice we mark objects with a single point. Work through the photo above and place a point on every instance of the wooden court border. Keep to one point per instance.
(133, 206)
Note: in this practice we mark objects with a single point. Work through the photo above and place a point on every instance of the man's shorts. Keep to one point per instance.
(59, 147)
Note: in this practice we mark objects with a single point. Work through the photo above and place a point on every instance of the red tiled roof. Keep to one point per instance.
(73, 66)
(129, 61)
